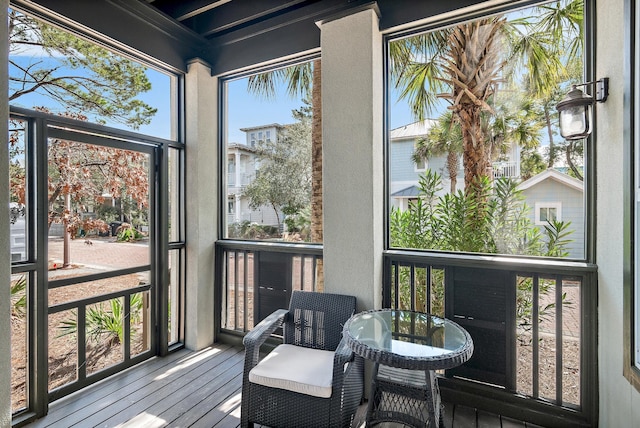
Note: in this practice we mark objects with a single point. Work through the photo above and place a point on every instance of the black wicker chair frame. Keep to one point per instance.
(314, 320)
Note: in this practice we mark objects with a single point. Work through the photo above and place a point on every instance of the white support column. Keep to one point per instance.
(352, 117)
(201, 95)
(5, 265)
(239, 185)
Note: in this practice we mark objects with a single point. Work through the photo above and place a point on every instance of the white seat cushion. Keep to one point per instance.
(296, 368)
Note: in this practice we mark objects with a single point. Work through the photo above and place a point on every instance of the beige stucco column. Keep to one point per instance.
(352, 100)
(201, 165)
(619, 400)
(5, 265)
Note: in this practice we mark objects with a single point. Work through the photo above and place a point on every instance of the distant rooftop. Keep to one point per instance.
(412, 130)
(409, 192)
(255, 128)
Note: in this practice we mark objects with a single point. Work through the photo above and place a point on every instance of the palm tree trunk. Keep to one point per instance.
(317, 231)
(452, 166)
(474, 157)
(572, 166)
(552, 148)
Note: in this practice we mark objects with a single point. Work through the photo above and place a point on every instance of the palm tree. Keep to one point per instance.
(469, 61)
(507, 126)
(443, 138)
(303, 79)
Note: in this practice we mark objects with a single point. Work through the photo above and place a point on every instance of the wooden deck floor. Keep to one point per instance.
(192, 389)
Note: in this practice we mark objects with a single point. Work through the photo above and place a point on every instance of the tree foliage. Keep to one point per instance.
(471, 63)
(283, 180)
(502, 226)
(448, 222)
(87, 172)
(78, 74)
(86, 81)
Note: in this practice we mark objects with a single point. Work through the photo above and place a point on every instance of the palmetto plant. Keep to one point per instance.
(106, 323)
(19, 298)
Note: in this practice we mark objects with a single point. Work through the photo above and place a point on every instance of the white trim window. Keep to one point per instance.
(547, 211)
(420, 166)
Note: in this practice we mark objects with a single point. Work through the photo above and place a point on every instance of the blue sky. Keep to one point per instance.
(158, 97)
(247, 110)
(244, 109)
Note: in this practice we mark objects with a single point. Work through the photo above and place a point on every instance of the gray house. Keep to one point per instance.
(404, 173)
(554, 195)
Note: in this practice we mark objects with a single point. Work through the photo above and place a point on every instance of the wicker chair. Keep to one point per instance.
(284, 391)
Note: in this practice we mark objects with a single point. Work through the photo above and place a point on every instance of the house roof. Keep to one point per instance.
(552, 174)
(240, 146)
(412, 130)
(409, 192)
(271, 125)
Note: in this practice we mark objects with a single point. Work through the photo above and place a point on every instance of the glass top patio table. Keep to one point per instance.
(408, 339)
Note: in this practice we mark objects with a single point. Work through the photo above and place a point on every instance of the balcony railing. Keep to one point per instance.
(257, 278)
(505, 169)
(87, 316)
(244, 180)
(533, 324)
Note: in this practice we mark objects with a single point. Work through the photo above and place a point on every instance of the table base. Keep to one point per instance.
(410, 397)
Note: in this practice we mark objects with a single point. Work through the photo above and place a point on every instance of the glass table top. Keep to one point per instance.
(397, 336)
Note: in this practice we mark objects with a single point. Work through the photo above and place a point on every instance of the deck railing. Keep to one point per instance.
(533, 321)
(257, 278)
(533, 324)
(87, 317)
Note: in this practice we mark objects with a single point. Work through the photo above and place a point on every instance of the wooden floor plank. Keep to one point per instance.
(181, 401)
(95, 396)
(464, 416)
(152, 398)
(196, 389)
(215, 403)
(101, 403)
(223, 414)
(199, 402)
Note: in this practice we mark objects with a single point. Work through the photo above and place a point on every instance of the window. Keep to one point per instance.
(75, 82)
(548, 212)
(450, 130)
(421, 164)
(100, 187)
(277, 175)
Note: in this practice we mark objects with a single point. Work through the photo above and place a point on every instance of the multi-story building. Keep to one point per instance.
(242, 167)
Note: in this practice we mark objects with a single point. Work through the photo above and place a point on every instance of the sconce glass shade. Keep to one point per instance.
(575, 115)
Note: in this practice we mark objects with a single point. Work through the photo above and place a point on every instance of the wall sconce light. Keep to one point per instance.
(575, 109)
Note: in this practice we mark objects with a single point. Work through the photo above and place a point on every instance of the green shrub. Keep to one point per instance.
(249, 230)
(106, 323)
(492, 220)
(19, 297)
(127, 233)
